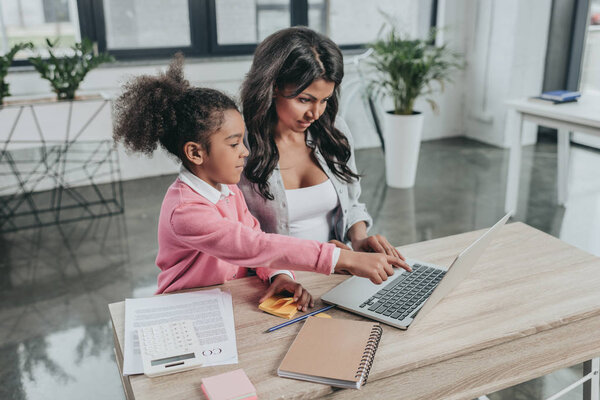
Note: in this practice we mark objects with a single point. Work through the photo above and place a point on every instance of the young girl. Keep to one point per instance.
(206, 235)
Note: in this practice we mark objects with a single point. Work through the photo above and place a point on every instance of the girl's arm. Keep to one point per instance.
(266, 274)
(201, 227)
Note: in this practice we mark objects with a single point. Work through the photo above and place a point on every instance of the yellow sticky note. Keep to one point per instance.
(284, 307)
(322, 315)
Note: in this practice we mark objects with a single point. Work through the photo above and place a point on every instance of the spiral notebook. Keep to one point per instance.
(336, 352)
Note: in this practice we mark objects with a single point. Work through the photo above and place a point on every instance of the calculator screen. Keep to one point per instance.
(172, 359)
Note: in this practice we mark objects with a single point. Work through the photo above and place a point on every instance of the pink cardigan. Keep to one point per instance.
(203, 244)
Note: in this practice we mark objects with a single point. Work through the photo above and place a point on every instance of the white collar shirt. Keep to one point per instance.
(202, 188)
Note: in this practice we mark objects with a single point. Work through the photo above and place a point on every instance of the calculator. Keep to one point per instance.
(169, 348)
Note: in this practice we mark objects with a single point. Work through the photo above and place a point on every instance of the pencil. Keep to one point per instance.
(291, 321)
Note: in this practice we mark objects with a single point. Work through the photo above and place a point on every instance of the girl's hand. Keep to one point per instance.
(283, 283)
(375, 266)
(376, 244)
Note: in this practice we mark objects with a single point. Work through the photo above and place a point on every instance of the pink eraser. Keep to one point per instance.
(233, 385)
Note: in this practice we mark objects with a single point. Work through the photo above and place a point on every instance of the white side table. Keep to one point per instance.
(582, 116)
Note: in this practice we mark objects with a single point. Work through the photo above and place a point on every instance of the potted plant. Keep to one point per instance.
(5, 62)
(405, 70)
(65, 73)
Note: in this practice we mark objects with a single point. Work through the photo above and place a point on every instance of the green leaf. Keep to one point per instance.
(5, 63)
(66, 73)
(433, 105)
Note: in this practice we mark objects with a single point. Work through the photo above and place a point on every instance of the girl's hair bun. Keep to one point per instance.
(165, 109)
(146, 111)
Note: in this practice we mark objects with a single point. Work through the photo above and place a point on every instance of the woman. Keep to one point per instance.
(300, 177)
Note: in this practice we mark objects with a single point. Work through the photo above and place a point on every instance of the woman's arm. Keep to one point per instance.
(359, 220)
(376, 243)
(357, 211)
(357, 232)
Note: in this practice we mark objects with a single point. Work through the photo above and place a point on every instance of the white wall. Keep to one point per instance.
(449, 122)
(590, 82)
(591, 66)
(506, 50)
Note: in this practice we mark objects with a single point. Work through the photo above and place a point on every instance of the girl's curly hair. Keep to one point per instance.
(165, 109)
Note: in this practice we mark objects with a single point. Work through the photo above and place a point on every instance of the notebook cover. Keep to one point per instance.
(549, 101)
(229, 386)
(560, 95)
(328, 348)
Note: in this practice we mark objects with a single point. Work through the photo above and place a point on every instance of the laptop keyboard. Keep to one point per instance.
(399, 298)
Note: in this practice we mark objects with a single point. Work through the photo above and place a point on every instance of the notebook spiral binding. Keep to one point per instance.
(367, 359)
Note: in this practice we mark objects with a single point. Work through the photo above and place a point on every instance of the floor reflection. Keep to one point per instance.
(582, 212)
(56, 282)
(458, 189)
(461, 186)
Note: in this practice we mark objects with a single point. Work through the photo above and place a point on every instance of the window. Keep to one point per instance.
(338, 18)
(34, 21)
(56, 11)
(135, 24)
(249, 22)
(131, 29)
(149, 28)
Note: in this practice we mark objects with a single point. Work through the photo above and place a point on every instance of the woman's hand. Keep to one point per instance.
(283, 283)
(375, 266)
(376, 244)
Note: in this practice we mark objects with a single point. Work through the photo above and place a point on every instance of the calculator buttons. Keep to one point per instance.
(168, 348)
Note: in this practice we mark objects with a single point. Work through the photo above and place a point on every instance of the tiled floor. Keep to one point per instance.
(56, 282)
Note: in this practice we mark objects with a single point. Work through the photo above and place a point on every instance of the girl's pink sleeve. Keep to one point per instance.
(263, 273)
(202, 227)
(249, 219)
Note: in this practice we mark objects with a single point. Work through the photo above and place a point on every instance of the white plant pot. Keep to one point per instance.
(402, 135)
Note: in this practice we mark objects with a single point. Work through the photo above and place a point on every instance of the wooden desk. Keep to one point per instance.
(530, 306)
(582, 116)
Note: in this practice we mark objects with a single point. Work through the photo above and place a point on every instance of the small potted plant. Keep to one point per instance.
(65, 73)
(405, 69)
(5, 62)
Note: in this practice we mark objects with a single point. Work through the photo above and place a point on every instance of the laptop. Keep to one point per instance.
(406, 297)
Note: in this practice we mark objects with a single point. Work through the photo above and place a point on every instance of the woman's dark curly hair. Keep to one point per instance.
(294, 56)
(165, 109)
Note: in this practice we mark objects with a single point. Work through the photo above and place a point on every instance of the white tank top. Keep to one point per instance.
(310, 211)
